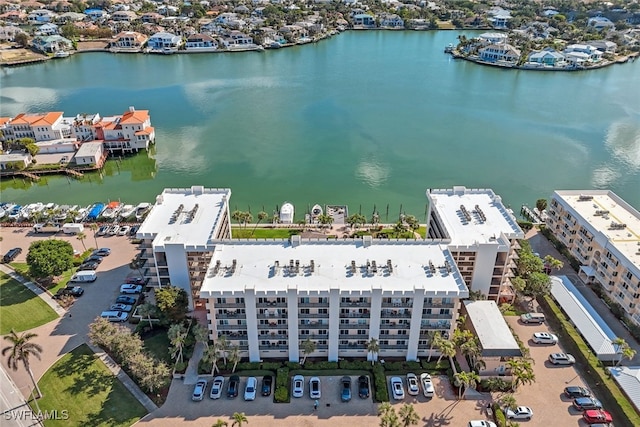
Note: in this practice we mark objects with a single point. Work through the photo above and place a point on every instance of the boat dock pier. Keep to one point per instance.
(530, 215)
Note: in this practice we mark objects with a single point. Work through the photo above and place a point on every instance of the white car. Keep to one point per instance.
(520, 413)
(199, 389)
(128, 288)
(250, 389)
(397, 388)
(298, 386)
(124, 230)
(427, 386)
(562, 359)
(121, 307)
(412, 384)
(544, 338)
(216, 387)
(481, 423)
(113, 230)
(314, 388)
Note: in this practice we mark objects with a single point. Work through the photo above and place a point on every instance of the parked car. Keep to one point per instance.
(363, 386)
(88, 266)
(544, 338)
(520, 413)
(584, 403)
(576, 391)
(102, 252)
(128, 288)
(250, 388)
(397, 388)
(267, 383)
(124, 230)
(232, 388)
(136, 281)
(298, 386)
(199, 389)
(481, 423)
(11, 255)
(412, 384)
(314, 388)
(532, 318)
(593, 416)
(133, 230)
(103, 230)
(93, 258)
(427, 385)
(75, 291)
(121, 307)
(345, 394)
(113, 230)
(561, 359)
(216, 387)
(126, 299)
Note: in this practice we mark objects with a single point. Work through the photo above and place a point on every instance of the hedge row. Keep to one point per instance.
(597, 377)
(282, 385)
(381, 393)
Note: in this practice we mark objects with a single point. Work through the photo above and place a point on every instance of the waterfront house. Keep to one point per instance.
(51, 44)
(547, 57)
(600, 23)
(201, 42)
(503, 52)
(499, 18)
(8, 33)
(83, 126)
(124, 16)
(89, 153)
(593, 54)
(130, 132)
(164, 40)
(40, 16)
(129, 40)
(96, 14)
(240, 39)
(606, 46)
(492, 38)
(363, 20)
(70, 17)
(65, 145)
(40, 127)
(151, 17)
(390, 20)
(15, 161)
(47, 29)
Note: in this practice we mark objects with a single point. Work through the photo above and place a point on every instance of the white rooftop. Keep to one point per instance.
(601, 209)
(89, 149)
(588, 322)
(495, 336)
(187, 216)
(628, 378)
(482, 225)
(320, 265)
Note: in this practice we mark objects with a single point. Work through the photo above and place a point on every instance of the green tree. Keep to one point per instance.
(388, 416)
(82, 236)
(234, 356)
(177, 334)
(222, 347)
(446, 348)
(261, 217)
(373, 348)
(239, 418)
(147, 310)
(466, 380)
(94, 227)
(220, 423)
(137, 263)
(308, 347)
(552, 264)
(508, 401)
(325, 220)
(200, 334)
(173, 303)
(237, 216)
(408, 415)
(433, 336)
(50, 257)
(538, 285)
(21, 39)
(356, 220)
(541, 204)
(521, 372)
(20, 350)
(623, 350)
(211, 356)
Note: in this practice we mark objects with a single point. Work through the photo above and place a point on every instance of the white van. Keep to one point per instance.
(84, 276)
(72, 228)
(532, 318)
(114, 316)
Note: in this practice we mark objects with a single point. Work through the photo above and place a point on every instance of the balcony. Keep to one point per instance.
(313, 316)
(393, 347)
(352, 346)
(272, 325)
(314, 325)
(354, 336)
(313, 304)
(273, 336)
(271, 304)
(313, 337)
(439, 305)
(274, 347)
(271, 316)
(229, 305)
(355, 315)
(395, 314)
(354, 304)
(394, 325)
(437, 316)
(231, 327)
(230, 316)
(322, 346)
(407, 304)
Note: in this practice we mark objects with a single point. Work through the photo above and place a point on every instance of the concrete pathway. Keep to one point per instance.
(191, 374)
(540, 244)
(14, 410)
(34, 288)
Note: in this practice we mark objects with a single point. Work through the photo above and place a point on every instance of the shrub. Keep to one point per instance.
(282, 377)
(181, 367)
(293, 366)
(380, 384)
(271, 366)
(281, 395)
(204, 368)
(498, 416)
(413, 366)
(248, 366)
(394, 366)
(356, 365)
(321, 366)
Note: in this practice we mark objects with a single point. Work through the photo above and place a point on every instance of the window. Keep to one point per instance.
(323, 311)
(322, 332)
(401, 342)
(362, 332)
(304, 311)
(221, 301)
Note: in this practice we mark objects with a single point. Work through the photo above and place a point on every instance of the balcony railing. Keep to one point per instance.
(313, 316)
(231, 327)
(314, 337)
(394, 314)
(355, 315)
(408, 304)
(353, 346)
(393, 346)
(272, 325)
(271, 304)
(271, 316)
(439, 305)
(392, 325)
(274, 347)
(437, 316)
(273, 336)
(230, 316)
(229, 305)
(354, 336)
(313, 304)
(355, 304)
(314, 325)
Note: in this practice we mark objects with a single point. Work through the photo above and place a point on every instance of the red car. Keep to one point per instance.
(593, 416)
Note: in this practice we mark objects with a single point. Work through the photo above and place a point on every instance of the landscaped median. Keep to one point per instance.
(20, 308)
(81, 391)
(597, 377)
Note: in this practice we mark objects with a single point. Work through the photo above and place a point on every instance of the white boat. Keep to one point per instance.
(127, 211)
(316, 211)
(286, 213)
(449, 48)
(112, 210)
(142, 209)
(61, 54)
(82, 214)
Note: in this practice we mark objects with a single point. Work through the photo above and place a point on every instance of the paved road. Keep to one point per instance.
(540, 244)
(14, 410)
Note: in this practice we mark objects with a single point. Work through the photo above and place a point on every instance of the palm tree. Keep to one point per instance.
(388, 416)
(137, 263)
(234, 357)
(246, 218)
(446, 348)
(177, 336)
(94, 227)
(237, 216)
(471, 349)
(211, 355)
(434, 338)
(239, 418)
(384, 408)
(508, 400)
(20, 350)
(81, 236)
(308, 347)
(521, 372)
(220, 423)
(466, 379)
(623, 350)
(222, 347)
(261, 217)
(146, 310)
(541, 204)
(374, 348)
(408, 415)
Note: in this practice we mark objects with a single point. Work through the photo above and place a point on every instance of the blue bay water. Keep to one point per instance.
(364, 119)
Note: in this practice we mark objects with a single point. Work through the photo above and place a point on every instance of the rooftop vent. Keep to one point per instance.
(432, 267)
(389, 266)
(481, 215)
(584, 198)
(601, 212)
(234, 264)
(216, 268)
(312, 266)
(465, 213)
(617, 226)
(353, 267)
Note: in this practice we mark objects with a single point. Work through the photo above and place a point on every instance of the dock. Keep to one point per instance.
(531, 215)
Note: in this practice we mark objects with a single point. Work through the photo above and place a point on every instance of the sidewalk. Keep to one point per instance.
(124, 379)
(191, 374)
(35, 289)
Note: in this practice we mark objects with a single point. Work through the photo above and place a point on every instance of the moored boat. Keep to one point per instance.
(287, 213)
(127, 211)
(449, 48)
(142, 209)
(112, 210)
(61, 54)
(316, 211)
(95, 211)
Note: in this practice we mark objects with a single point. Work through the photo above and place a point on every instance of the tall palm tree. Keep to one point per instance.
(466, 379)
(434, 337)
(146, 310)
(521, 372)
(374, 348)
(137, 263)
(20, 350)
(447, 349)
(81, 236)
(220, 423)
(408, 415)
(623, 350)
(238, 419)
(308, 347)
(94, 227)
(261, 217)
(508, 400)
(211, 355)
(234, 357)
(177, 336)
(222, 347)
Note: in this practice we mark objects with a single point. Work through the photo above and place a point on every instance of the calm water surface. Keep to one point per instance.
(364, 119)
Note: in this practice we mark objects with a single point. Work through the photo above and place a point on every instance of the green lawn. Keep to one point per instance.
(23, 269)
(264, 233)
(20, 308)
(158, 346)
(82, 385)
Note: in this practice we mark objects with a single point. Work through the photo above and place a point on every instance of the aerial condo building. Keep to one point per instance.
(269, 296)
